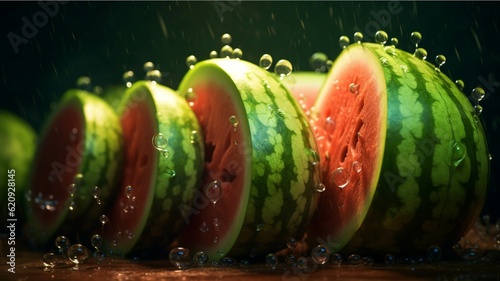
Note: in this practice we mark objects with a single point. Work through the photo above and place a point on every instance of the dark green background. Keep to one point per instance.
(102, 40)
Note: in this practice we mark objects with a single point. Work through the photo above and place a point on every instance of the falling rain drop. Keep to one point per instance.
(77, 253)
(415, 38)
(320, 254)
(160, 142)
(180, 257)
(128, 78)
(226, 51)
(191, 61)
(460, 84)
(381, 37)
(353, 88)
(340, 177)
(344, 41)
(478, 94)
(357, 166)
(226, 39)
(49, 260)
(237, 53)
(358, 37)
(420, 53)
(283, 68)
(213, 191)
(213, 54)
(265, 61)
(272, 260)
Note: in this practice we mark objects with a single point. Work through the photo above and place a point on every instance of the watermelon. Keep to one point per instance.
(18, 142)
(162, 168)
(305, 87)
(404, 157)
(79, 155)
(259, 183)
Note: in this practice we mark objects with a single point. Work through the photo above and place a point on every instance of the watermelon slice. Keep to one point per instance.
(163, 168)
(259, 187)
(402, 149)
(80, 149)
(305, 87)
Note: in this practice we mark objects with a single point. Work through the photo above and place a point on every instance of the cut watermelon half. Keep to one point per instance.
(256, 143)
(305, 87)
(80, 149)
(163, 168)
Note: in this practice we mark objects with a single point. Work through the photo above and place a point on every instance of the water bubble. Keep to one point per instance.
(213, 191)
(458, 153)
(237, 53)
(353, 88)
(434, 253)
(381, 37)
(318, 62)
(389, 259)
(128, 78)
(320, 254)
(416, 37)
(394, 41)
(148, 66)
(320, 187)
(265, 61)
(129, 191)
(213, 54)
(290, 259)
(77, 253)
(226, 51)
(244, 263)
(283, 68)
(337, 259)
(195, 137)
(354, 259)
(478, 94)
(180, 257)
(153, 76)
(384, 61)
(49, 260)
(340, 177)
(229, 261)
(367, 261)
(272, 260)
(165, 153)
(170, 173)
(291, 243)
(391, 50)
(200, 258)
(234, 121)
(83, 83)
(191, 61)
(358, 37)
(226, 39)
(96, 241)
(104, 219)
(440, 60)
(420, 53)
(460, 84)
(478, 109)
(259, 227)
(344, 41)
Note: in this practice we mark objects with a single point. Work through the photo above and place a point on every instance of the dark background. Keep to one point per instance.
(103, 40)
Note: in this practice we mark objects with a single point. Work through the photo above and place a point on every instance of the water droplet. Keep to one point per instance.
(458, 153)
(226, 51)
(234, 121)
(490, 157)
(329, 124)
(394, 41)
(283, 68)
(96, 241)
(357, 166)
(416, 37)
(96, 192)
(457, 248)
(313, 156)
(49, 260)
(72, 206)
(72, 189)
(470, 254)
(129, 191)
(216, 222)
(329, 64)
(170, 173)
(389, 259)
(358, 37)
(434, 253)
(344, 41)
(215, 240)
(200, 258)
(265, 61)
(259, 227)
(290, 259)
(128, 78)
(291, 243)
(320, 187)
(180, 257)
(226, 39)
(478, 94)
(130, 235)
(337, 259)
(237, 53)
(391, 50)
(204, 227)
(477, 110)
(460, 84)
(440, 60)
(420, 53)
(353, 88)
(213, 191)
(244, 263)
(190, 97)
(318, 62)
(253, 253)
(220, 253)
(213, 54)
(354, 259)
(320, 254)
(104, 219)
(77, 253)
(153, 76)
(384, 61)
(272, 260)
(367, 261)
(195, 137)
(381, 37)
(404, 68)
(83, 83)
(191, 61)
(340, 177)
(148, 66)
